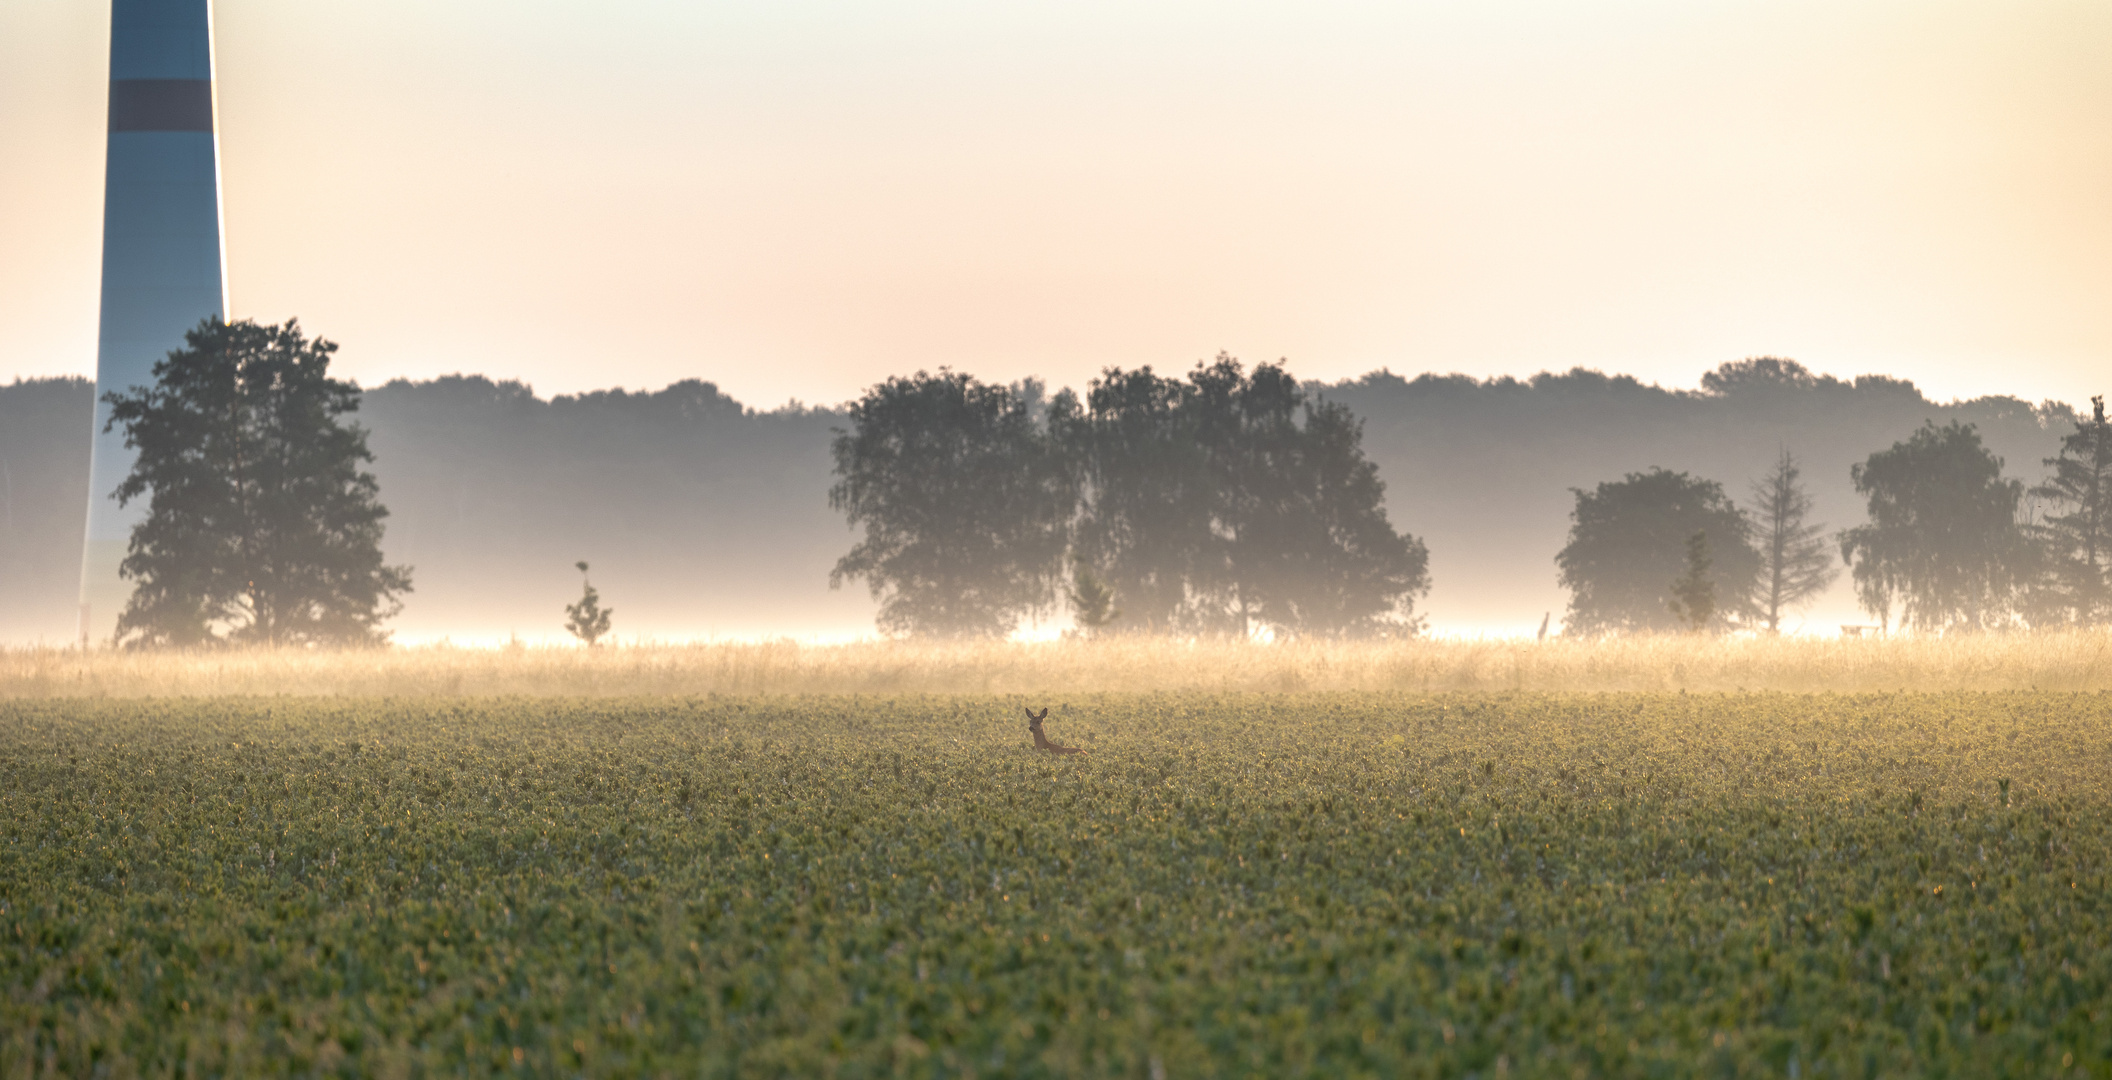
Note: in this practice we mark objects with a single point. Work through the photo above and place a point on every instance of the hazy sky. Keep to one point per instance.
(797, 198)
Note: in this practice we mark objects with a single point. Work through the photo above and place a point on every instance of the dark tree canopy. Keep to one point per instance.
(1694, 592)
(2076, 534)
(1942, 540)
(262, 526)
(490, 485)
(1145, 523)
(1796, 561)
(1760, 375)
(1232, 501)
(1628, 545)
(1308, 548)
(964, 504)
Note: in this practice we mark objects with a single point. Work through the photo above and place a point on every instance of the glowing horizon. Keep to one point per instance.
(796, 200)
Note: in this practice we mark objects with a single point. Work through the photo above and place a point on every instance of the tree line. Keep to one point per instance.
(1220, 502)
(698, 511)
(1485, 468)
(699, 503)
(1949, 543)
(1226, 502)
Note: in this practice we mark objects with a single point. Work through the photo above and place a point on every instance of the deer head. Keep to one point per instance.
(1034, 720)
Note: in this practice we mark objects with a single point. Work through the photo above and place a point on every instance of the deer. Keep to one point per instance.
(1041, 741)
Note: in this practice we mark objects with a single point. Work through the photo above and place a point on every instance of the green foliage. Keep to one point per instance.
(1233, 501)
(1214, 506)
(677, 465)
(1629, 540)
(1796, 562)
(1148, 495)
(587, 620)
(1310, 551)
(1942, 540)
(1291, 886)
(2078, 543)
(964, 505)
(261, 527)
(1694, 591)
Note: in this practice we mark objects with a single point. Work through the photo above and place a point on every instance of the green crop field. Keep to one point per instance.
(1323, 884)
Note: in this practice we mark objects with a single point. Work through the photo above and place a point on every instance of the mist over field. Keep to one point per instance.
(704, 516)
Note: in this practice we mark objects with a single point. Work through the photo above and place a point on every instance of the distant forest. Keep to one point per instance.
(701, 515)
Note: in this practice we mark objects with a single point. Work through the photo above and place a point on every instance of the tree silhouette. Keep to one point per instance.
(2078, 543)
(1942, 539)
(1092, 602)
(1308, 549)
(1231, 501)
(1796, 562)
(1694, 591)
(261, 526)
(965, 506)
(587, 620)
(1147, 496)
(1628, 542)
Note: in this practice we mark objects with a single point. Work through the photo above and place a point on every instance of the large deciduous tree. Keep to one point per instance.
(1144, 524)
(964, 503)
(262, 527)
(1942, 541)
(1232, 501)
(1796, 561)
(1307, 547)
(1628, 546)
(2077, 537)
(1694, 591)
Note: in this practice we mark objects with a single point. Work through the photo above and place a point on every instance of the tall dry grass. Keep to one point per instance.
(2075, 660)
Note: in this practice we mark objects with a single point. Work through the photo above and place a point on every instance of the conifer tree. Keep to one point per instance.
(2078, 544)
(1796, 562)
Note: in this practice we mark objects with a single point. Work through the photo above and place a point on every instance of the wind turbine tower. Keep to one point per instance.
(163, 270)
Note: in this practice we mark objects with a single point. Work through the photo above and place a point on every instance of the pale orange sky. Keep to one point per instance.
(796, 199)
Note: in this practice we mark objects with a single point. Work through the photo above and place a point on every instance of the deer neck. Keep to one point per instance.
(1040, 741)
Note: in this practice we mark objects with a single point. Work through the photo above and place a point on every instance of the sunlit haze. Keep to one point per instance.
(797, 199)
(1551, 538)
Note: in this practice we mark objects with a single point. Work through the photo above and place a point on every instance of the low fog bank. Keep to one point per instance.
(701, 517)
(44, 446)
(1482, 470)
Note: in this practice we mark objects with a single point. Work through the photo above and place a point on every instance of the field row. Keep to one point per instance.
(1272, 885)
